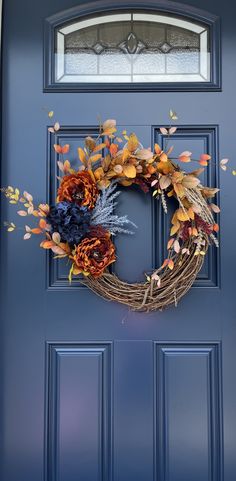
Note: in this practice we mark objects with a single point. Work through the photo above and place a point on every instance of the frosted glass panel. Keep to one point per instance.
(132, 47)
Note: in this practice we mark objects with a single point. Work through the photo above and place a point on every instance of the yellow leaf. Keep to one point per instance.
(171, 264)
(179, 189)
(191, 213)
(92, 175)
(126, 182)
(103, 184)
(99, 147)
(133, 142)
(129, 171)
(163, 157)
(182, 215)
(81, 155)
(94, 158)
(175, 228)
(157, 149)
(171, 193)
(71, 271)
(126, 154)
(99, 173)
(165, 167)
(66, 165)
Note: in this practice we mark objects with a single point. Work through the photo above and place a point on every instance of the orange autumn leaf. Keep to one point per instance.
(203, 162)
(165, 263)
(216, 227)
(36, 230)
(151, 169)
(65, 149)
(42, 223)
(171, 264)
(163, 157)
(169, 243)
(113, 149)
(157, 149)
(194, 231)
(165, 167)
(58, 250)
(47, 244)
(205, 157)
(185, 156)
(61, 149)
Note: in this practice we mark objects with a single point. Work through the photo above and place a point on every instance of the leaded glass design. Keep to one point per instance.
(132, 48)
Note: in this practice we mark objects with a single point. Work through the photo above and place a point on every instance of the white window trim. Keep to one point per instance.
(61, 77)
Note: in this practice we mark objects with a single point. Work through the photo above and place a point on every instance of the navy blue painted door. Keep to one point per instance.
(90, 391)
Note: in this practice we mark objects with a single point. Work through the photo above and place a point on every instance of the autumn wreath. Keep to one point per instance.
(81, 223)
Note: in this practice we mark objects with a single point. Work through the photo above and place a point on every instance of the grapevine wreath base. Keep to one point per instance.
(147, 296)
(80, 224)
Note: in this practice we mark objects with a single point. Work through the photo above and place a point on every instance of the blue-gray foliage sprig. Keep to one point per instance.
(103, 212)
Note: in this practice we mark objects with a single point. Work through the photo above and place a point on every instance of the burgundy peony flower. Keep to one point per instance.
(78, 188)
(95, 253)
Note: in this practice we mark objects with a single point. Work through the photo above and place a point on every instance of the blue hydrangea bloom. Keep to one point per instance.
(70, 220)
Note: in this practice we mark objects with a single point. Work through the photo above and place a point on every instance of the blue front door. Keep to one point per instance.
(91, 391)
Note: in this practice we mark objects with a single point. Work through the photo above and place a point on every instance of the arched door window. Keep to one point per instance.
(133, 48)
